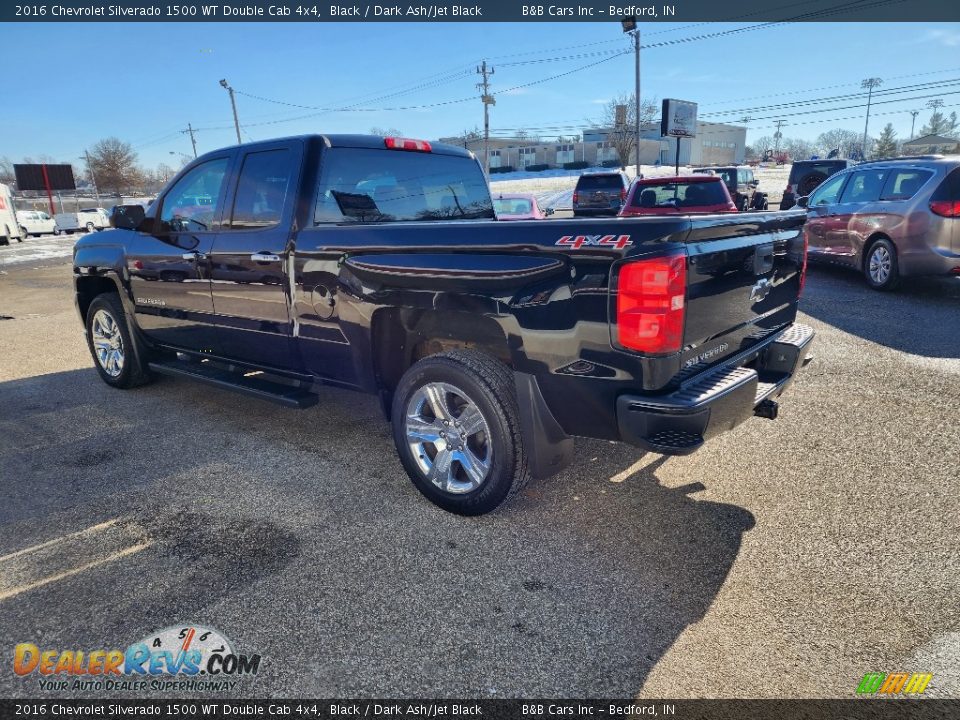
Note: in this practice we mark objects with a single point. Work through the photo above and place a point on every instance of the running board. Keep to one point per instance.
(292, 396)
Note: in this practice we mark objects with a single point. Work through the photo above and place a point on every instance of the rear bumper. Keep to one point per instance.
(596, 211)
(680, 422)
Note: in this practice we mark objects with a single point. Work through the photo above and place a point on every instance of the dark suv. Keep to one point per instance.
(806, 175)
(742, 186)
(600, 193)
(888, 219)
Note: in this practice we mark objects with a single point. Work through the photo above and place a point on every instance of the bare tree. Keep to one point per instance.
(386, 132)
(798, 149)
(844, 141)
(623, 124)
(6, 171)
(114, 164)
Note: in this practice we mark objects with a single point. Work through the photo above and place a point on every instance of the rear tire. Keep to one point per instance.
(456, 426)
(23, 235)
(880, 266)
(111, 346)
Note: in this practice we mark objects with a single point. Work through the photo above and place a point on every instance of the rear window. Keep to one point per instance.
(949, 189)
(600, 182)
(903, 184)
(826, 169)
(513, 206)
(679, 194)
(364, 185)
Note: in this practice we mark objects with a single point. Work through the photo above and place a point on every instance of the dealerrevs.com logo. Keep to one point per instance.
(179, 658)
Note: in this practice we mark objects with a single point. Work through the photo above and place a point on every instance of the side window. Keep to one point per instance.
(828, 192)
(193, 204)
(903, 184)
(864, 186)
(261, 190)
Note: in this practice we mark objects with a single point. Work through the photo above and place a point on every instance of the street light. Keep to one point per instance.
(630, 27)
(233, 103)
(869, 84)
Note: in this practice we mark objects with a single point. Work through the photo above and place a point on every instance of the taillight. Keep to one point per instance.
(789, 189)
(946, 208)
(396, 143)
(575, 196)
(651, 304)
(803, 266)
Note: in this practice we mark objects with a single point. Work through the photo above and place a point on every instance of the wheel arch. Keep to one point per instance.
(89, 287)
(402, 336)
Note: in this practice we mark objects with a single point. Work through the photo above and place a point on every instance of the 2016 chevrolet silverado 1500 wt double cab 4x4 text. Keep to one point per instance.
(377, 264)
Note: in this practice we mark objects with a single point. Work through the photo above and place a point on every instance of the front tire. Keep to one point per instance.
(91, 227)
(456, 426)
(880, 266)
(110, 344)
(23, 235)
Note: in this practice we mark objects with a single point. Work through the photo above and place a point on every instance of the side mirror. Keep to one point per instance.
(127, 217)
(548, 211)
(803, 201)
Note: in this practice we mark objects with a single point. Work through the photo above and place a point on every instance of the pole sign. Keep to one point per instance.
(32, 177)
(678, 119)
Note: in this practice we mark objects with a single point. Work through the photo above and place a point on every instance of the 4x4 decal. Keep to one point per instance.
(578, 241)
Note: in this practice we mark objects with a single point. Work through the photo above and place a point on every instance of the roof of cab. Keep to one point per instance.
(373, 142)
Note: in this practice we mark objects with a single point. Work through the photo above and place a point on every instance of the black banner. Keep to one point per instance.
(854, 709)
(482, 11)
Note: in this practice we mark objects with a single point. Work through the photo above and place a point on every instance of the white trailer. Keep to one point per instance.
(83, 220)
(9, 227)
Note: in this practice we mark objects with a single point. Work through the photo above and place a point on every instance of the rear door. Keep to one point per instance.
(855, 215)
(248, 261)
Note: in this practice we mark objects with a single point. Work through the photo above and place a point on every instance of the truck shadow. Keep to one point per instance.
(300, 533)
(921, 317)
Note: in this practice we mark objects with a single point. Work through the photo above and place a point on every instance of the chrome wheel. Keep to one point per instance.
(448, 438)
(90, 227)
(880, 264)
(107, 343)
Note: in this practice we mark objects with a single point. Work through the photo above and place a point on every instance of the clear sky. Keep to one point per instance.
(145, 82)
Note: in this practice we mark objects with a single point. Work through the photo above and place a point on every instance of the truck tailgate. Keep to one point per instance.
(743, 283)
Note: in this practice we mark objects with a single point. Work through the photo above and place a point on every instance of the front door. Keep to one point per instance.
(248, 264)
(823, 226)
(168, 267)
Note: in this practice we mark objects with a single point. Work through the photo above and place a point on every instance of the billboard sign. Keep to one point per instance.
(678, 118)
(31, 177)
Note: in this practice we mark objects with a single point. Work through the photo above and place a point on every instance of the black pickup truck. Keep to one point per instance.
(377, 264)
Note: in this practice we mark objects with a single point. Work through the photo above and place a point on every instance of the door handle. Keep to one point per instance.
(263, 257)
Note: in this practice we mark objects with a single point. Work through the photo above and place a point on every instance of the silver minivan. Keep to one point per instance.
(888, 219)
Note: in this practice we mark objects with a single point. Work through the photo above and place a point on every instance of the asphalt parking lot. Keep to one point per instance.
(785, 559)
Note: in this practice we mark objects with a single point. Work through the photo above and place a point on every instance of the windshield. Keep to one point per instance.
(600, 182)
(679, 194)
(361, 185)
(513, 206)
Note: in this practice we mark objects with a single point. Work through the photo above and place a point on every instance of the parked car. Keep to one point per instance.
(741, 184)
(888, 219)
(86, 220)
(9, 225)
(806, 175)
(678, 196)
(36, 222)
(600, 193)
(490, 344)
(519, 206)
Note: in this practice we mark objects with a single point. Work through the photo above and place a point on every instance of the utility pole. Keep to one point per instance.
(193, 140)
(913, 121)
(236, 122)
(636, 49)
(869, 84)
(488, 100)
(776, 139)
(93, 178)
